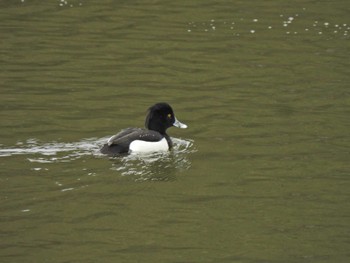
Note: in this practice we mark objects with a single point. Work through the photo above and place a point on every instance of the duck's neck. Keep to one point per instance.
(170, 143)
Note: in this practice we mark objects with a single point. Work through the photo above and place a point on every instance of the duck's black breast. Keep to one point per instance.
(119, 143)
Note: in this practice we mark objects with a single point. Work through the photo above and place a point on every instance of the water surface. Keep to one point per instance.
(260, 175)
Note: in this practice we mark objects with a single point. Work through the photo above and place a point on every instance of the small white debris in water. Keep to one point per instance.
(320, 33)
(336, 25)
(287, 32)
(188, 30)
(295, 33)
(306, 29)
(255, 20)
(25, 210)
(344, 24)
(326, 24)
(212, 20)
(269, 27)
(36, 169)
(290, 18)
(252, 31)
(67, 189)
(231, 27)
(285, 24)
(281, 15)
(213, 27)
(335, 31)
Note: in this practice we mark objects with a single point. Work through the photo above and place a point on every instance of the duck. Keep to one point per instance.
(153, 138)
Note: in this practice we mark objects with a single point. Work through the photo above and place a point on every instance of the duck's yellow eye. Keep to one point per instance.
(169, 115)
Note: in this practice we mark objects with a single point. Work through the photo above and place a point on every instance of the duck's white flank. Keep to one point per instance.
(144, 147)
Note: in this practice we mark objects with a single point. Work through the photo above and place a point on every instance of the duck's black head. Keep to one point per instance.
(160, 117)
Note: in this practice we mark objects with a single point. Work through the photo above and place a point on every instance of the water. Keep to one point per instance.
(260, 175)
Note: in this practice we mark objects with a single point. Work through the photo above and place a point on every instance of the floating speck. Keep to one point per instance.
(290, 18)
(326, 24)
(252, 31)
(295, 33)
(213, 27)
(67, 189)
(231, 27)
(344, 24)
(281, 15)
(269, 27)
(306, 29)
(188, 30)
(25, 210)
(335, 31)
(320, 33)
(287, 32)
(206, 30)
(285, 24)
(336, 25)
(255, 20)
(212, 20)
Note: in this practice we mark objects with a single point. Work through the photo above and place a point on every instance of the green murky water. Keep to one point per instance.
(260, 175)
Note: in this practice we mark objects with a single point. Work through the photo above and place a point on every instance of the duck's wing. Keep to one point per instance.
(122, 135)
(130, 134)
(120, 142)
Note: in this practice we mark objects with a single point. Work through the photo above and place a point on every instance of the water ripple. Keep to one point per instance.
(52, 151)
(154, 166)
